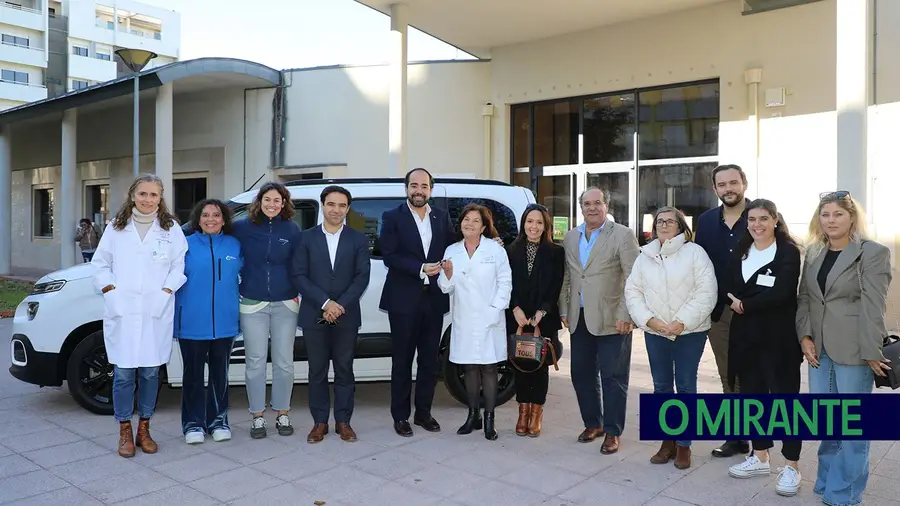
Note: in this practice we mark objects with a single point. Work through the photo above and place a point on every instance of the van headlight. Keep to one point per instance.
(50, 286)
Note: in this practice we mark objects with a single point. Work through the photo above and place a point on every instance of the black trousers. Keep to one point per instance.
(608, 357)
(205, 409)
(531, 387)
(411, 333)
(763, 378)
(335, 346)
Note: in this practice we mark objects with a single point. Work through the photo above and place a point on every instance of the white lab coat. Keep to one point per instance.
(479, 296)
(138, 315)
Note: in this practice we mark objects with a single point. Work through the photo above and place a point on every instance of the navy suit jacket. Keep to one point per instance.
(401, 249)
(317, 281)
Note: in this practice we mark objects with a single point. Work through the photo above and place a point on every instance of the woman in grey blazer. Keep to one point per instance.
(840, 322)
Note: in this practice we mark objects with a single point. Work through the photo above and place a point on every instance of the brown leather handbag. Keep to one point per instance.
(527, 352)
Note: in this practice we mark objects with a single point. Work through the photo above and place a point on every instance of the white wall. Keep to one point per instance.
(340, 115)
(795, 47)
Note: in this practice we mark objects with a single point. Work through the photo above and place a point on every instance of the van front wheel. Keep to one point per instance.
(90, 375)
(453, 377)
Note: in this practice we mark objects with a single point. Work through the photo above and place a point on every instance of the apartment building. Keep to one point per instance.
(51, 47)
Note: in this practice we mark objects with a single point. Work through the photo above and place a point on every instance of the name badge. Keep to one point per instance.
(160, 256)
(487, 260)
(765, 280)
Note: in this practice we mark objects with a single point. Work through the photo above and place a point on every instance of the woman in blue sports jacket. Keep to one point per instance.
(207, 320)
(269, 305)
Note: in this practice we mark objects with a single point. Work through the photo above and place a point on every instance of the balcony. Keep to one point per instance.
(21, 92)
(23, 55)
(24, 15)
(91, 69)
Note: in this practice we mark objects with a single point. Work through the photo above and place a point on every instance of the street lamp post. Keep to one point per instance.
(136, 60)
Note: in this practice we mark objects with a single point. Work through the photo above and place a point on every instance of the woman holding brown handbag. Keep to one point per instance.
(538, 268)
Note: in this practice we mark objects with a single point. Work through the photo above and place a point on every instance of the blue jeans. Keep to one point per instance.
(674, 364)
(843, 465)
(123, 392)
(205, 409)
(278, 323)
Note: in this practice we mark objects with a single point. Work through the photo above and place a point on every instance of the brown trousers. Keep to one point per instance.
(718, 340)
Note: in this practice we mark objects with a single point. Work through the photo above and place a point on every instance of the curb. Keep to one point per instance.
(7, 314)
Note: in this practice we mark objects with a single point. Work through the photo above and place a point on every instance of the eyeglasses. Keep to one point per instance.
(839, 194)
(665, 223)
(323, 321)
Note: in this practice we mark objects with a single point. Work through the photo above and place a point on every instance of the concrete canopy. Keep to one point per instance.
(186, 76)
(476, 26)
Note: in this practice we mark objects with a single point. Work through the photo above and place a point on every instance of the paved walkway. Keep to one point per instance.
(53, 452)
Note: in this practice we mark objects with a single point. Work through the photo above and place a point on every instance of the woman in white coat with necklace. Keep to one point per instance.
(476, 274)
(140, 265)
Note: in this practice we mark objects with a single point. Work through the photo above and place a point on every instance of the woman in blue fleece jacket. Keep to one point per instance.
(206, 320)
(269, 304)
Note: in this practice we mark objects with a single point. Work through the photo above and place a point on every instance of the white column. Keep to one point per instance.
(5, 201)
(853, 85)
(397, 107)
(68, 190)
(164, 143)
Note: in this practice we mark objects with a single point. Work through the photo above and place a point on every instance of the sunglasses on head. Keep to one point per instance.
(839, 194)
(323, 321)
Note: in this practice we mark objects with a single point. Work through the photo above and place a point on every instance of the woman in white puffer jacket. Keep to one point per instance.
(670, 294)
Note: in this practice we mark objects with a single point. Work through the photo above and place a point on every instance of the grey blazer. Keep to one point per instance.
(602, 280)
(848, 322)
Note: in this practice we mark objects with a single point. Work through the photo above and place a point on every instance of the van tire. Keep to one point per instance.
(453, 377)
(78, 373)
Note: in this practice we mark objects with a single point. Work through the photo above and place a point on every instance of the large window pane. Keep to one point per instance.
(521, 132)
(188, 192)
(679, 122)
(615, 188)
(684, 186)
(556, 133)
(609, 129)
(42, 207)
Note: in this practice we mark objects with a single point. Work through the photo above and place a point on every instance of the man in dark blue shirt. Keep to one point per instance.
(718, 231)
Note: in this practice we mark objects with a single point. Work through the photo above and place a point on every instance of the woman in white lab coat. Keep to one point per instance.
(140, 265)
(476, 273)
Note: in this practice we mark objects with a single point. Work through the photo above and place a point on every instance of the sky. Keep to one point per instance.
(294, 33)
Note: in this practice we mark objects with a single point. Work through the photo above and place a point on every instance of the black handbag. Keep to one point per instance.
(527, 352)
(891, 351)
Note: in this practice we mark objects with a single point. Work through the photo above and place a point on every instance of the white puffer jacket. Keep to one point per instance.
(674, 281)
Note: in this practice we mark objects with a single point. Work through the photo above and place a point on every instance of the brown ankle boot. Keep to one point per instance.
(522, 423)
(665, 454)
(126, 440)
(143, 440)
(536, 420)
(683, 457)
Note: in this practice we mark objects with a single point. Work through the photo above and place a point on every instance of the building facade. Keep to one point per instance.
(642, 99)
(51, 47)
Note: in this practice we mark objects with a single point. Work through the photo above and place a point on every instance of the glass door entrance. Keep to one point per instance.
(558, 189)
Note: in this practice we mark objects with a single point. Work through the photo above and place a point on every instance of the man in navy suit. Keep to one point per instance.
(413, 239)
(331, 272)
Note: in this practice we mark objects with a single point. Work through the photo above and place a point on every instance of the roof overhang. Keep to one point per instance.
(188, 76)
(476, 26)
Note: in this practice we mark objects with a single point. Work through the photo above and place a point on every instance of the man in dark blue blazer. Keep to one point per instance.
(331, 272)
(413, 239)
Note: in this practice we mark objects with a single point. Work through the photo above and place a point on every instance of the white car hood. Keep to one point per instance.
(79, 271)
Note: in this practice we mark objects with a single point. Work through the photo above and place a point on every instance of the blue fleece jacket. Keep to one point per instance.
(267, 258)
(207, 304)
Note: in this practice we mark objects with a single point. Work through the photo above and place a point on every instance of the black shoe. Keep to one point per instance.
(731, 448)
(489, 433)
(402, 428)
(473, 422)
(427, 422)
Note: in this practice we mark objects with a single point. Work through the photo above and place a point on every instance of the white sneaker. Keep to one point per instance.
(220, 435)
(194, 437)
(750, 468)
(788, 481)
